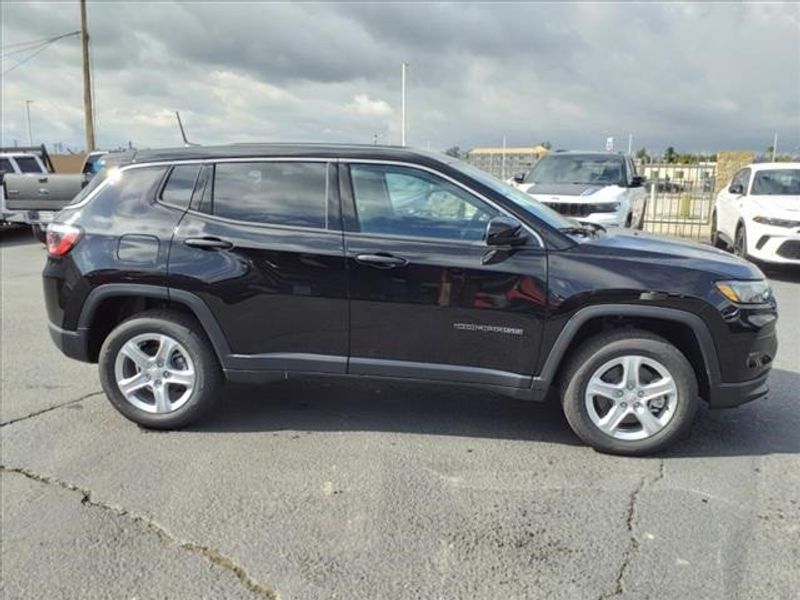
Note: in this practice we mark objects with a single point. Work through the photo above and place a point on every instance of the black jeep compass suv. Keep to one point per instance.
(178, 269)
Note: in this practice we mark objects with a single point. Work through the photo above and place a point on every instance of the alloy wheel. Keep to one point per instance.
(631, 397)
(155, 373)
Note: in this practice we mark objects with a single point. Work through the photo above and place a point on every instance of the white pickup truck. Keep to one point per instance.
(31, 193)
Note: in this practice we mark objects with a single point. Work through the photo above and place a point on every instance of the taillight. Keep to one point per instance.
(61, 239)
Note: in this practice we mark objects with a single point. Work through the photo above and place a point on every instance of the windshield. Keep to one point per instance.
(524, 201)
(776, 182)
(566, 168)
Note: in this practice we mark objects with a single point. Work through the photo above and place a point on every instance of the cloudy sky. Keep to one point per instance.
(695, 76)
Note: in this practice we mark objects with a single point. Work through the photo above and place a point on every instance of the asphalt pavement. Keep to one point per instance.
(319, 489)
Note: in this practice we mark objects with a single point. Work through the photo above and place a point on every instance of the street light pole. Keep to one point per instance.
(403, 104)
(775, 146)
(28, 113)
(88, 118)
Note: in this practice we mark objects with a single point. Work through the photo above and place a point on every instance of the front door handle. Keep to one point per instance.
(381, 261)
(208, 243)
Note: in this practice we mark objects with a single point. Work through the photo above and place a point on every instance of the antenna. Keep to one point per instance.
(186, 142)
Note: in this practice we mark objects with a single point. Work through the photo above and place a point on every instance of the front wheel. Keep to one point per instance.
(629, 392)
(159, 370)
(740, 242)
(716, 241)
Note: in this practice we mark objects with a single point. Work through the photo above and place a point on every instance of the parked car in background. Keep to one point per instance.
(599, 187)
(758, 214)
(31, 192)
(180, 268)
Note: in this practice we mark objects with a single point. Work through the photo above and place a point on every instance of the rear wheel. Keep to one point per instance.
(40, 233)
(158, 371)
(629, 392)
(715, 239)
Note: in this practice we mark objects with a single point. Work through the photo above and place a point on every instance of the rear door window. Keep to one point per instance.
(6, 166)
(28, 164)
(271, 193)
(180, 185)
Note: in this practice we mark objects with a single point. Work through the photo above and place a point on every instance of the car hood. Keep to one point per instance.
(646, 247)
(777, 206)
(572, 192)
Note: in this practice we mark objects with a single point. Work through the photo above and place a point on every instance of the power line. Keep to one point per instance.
(39, 49)
(39, 41)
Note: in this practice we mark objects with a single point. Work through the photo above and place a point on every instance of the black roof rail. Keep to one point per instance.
(40, 150)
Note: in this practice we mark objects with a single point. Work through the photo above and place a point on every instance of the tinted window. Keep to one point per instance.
(410, 202)
(5, 166)
(741, 178)
(125, 191)
(28, 164)
(290, 193)
(180, 185)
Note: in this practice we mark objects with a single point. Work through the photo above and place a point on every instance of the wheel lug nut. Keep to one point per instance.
(166, 374)
(160, 363)
(147, 376)
(619, 394)
(623, 404)
(637, 405)
(640, 394)
(158, 382)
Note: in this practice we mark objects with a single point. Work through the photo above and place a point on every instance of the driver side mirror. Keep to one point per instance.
(519, 177)
(505, 231)
(637, 181)
(736, 188)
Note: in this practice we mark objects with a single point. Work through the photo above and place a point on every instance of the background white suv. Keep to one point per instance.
(599, 187)
(758, 213)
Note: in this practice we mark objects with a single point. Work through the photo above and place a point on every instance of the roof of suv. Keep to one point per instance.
(283, 150)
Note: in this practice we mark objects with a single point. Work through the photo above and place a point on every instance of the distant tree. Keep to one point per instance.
(546, 145)
(642, 155)
(669, 155)
(453, 151)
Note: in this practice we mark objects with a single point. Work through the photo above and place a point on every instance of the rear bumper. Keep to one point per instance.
(73, 344)
(730, 395)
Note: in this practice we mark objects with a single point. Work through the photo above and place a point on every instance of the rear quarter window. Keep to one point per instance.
(6, 166)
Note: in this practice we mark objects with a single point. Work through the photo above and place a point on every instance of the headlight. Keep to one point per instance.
(776, 222)
(605, 207)
(745, 292)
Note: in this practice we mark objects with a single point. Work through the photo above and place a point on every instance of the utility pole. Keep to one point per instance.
(28, 113)
(403, 104)
(88, 117)
(774, 146)
(630, 143)
(503, 165)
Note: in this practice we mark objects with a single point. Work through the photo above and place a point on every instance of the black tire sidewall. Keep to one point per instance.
(659, 350)
(204, 361)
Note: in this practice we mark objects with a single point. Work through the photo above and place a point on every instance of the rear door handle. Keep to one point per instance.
(381, 261)
(208, 243)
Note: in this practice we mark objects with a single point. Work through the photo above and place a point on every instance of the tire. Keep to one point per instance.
(716, 241)
(630, 437)
(640, 224)
(40, 233)
(189, 358)
(629, 221)
(740, 242)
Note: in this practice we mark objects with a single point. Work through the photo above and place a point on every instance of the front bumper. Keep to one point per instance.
(766, 243)
(74, 344)
(730, 395)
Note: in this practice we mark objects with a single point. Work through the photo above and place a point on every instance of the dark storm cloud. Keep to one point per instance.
(695, 76)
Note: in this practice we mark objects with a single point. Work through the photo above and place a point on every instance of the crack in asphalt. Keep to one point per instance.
(165, 537)
(633, 544)
(50, 408)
